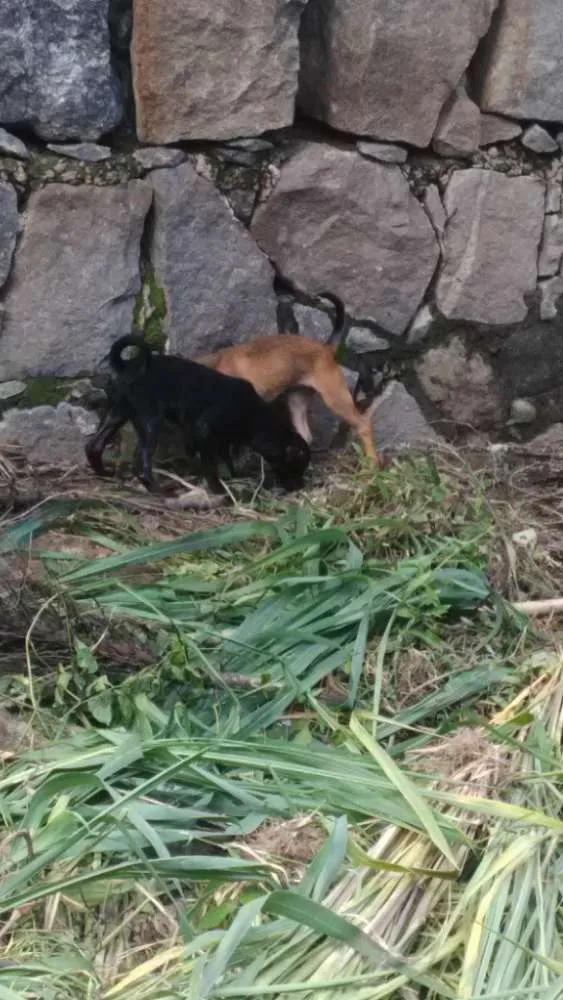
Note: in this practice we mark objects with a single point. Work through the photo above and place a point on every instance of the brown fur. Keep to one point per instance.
(281, 362)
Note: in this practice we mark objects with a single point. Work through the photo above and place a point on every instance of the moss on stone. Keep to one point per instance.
(45, 390)
(150, 310)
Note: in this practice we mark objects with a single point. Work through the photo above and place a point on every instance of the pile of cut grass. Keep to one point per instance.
(322, 670)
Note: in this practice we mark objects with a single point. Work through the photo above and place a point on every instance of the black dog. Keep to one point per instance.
(214, 411)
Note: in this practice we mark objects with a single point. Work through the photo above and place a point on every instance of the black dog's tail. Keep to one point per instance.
(118, 363)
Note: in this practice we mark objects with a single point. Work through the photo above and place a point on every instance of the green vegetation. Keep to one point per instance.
(45, 390)
(150, 310)
(302, 749)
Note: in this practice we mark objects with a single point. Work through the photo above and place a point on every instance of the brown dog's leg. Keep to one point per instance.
(108, 428)
(297, 404)
(334, 391)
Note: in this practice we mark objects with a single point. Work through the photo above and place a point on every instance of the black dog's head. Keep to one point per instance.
(286, 452)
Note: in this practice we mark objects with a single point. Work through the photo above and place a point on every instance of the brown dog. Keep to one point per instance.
(280, 362)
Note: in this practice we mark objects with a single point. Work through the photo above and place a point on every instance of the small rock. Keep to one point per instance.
(463, 385)
(242, 157)
(49, 435)
(538, 140)
(251, 145)
(522, 411)
(364, 341)
(435, 210)
(85, 393)
(12, 146)
(494, 128)
(11, 391)
(399, 423)
(458, 129)
(526, 539)
(421, 325)
(550, 293)
(551, 250)
(383, 151)
(88, 152)
(313, 323)
(156, 157)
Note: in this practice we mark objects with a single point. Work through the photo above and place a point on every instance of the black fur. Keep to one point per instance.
(215, 411)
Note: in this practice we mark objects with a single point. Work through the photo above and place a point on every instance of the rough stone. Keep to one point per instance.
(522, 411)
(491, 245)
(8, 228)
(85, 393)
(550, 294)
(494, 128)
(214, 71)
(399, 423)
(153, 157)
(242, 157)
(385, 152)
(12, 146)
(462, 385)
(339, 221)
(49, 435)
(252, 145)
(435, 210)
(56, 70)
(459, 127)
(385, 68)
(550, 439)
(313, 323)
(362, 340)
(524, 64)
(62, 318)
(538, 140)
(421, 325)
(89, 152)
(10, 392)
(218, 284)
(553, 197)
(551, 250)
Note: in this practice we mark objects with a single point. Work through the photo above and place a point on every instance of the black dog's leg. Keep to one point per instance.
(211, 449)
(209, 463)
(148, 430)
(225, 456)
(112, 422)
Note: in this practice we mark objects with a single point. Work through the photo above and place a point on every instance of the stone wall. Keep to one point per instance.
(160, 160)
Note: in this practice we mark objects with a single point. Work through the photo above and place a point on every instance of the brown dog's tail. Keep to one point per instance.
(116, 360)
